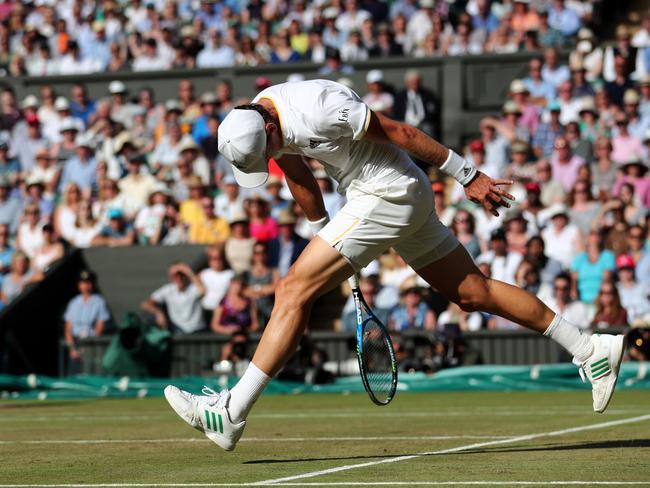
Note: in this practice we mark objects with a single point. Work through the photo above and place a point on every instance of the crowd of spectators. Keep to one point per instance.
(50, 37)
(128, 169)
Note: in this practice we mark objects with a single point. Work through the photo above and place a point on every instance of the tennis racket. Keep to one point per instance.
(377, 363)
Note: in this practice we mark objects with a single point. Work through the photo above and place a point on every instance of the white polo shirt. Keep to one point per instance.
(326, 121)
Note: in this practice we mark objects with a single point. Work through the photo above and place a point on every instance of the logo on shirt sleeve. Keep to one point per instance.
(344, 114)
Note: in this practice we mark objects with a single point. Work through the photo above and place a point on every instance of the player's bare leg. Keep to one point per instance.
(457, 277)
(221, 416)
(319, 269)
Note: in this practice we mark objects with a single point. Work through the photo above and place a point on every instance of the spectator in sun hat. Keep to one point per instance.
(29, 107)
(230, 200)
(635, 297)
(378, 98)
(637, 125)
(190, 152)
(412, 312)
(562, 238)
(191, 210)
(588, 119)
(136, 186)
(626, 147)
(285, 249)
(580, 86)
(496, 146)
(121, 108)
(66, 147)
(82, 168)
(239, 246)
(529, 111)
(177, 304)
(520, 168)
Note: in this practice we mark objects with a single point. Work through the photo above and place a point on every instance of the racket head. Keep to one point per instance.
(377, 362)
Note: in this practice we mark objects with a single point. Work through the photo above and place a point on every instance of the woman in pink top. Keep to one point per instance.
(634, 172)
(262, 226)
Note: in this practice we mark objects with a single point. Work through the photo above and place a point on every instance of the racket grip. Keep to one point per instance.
(353, 281)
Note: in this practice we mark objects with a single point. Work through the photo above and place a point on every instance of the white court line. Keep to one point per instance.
(254, 439)
(509, 440)
(342, 483)
(351, 414)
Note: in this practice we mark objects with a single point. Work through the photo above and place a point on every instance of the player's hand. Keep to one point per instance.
(487, 192)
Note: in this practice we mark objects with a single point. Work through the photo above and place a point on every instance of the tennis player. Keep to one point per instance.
(390, 204)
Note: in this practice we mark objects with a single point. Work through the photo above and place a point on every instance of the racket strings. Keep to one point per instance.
(377, 361)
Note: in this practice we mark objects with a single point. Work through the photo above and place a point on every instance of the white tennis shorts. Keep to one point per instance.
(398, 214)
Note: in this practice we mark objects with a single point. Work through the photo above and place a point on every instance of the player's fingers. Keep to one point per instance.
(499, 200)
(490, 207)
(503, 193)
(502, 182)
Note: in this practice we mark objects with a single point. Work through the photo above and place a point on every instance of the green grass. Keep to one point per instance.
(31, 451)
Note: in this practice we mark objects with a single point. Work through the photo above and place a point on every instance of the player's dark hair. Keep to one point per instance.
(266, 115)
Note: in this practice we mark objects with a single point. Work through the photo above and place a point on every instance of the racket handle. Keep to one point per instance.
(353, 281)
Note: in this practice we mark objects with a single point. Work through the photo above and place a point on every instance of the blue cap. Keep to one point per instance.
(115, 213)
(554, 106)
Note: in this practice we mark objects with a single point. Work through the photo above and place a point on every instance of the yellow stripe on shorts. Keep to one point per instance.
(340, 236)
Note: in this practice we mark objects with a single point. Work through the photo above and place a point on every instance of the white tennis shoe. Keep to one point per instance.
(601, 368)
(207, 413)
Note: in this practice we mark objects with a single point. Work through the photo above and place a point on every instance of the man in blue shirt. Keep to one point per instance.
(564, 19)
(85, 316)
(485, 20)
(82, 168)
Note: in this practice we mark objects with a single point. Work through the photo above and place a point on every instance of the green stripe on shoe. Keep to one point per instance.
(207, 418)
(600, 375)
(220, 425)
(599, 368)
(599, 363)
(214, 422)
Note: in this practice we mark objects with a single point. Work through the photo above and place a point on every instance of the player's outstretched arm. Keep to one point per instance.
(303, 186)
(479, 187)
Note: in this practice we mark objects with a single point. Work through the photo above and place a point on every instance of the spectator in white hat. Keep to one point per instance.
(562, 238)
(637, 125)
(137, 185)
(121, 108)
(82, 168)
(230, 200)
(377, 98)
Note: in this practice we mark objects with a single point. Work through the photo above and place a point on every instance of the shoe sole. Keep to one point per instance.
(615, 356)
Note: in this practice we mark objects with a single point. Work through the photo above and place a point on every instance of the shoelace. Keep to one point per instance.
(219, 399)
(581, 370)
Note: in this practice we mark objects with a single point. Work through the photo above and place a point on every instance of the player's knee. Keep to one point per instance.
(291, 291)
(475, 294)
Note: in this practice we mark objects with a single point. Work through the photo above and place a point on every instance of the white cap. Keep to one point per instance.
(30, 101)
(116, 86)
(374, 76)
(295, 78)
(68, 124)
(242, 141)
(61, 103)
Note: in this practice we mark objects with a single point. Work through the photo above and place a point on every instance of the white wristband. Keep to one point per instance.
(317, 225)
(459, 168)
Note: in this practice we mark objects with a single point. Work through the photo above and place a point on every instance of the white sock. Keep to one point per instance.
(246, 392)
(570, 337)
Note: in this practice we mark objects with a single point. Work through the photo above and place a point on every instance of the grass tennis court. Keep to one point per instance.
(479, 439)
